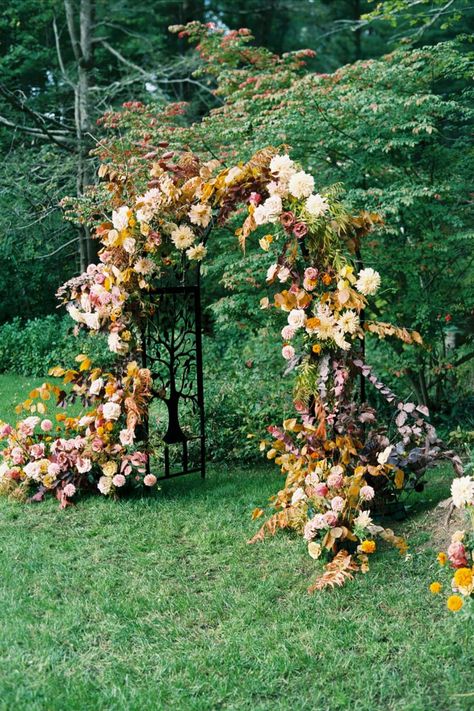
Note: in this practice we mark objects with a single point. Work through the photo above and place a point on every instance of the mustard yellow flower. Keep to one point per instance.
(463, 577)
(367, 546)
(454, 603)
(435, 588)
(442, 558)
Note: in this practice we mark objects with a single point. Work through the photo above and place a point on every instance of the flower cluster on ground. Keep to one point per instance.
(95, 450)
(459, 556)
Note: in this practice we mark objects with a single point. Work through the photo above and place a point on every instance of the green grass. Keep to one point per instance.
(158, 603)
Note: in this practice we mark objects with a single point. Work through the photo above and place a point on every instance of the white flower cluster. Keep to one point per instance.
(329, 326)
(289, 182)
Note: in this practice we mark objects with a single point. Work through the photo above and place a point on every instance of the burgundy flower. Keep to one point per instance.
(287, 219)
(300, 229)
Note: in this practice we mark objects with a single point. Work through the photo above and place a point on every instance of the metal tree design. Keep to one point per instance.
(172, 350)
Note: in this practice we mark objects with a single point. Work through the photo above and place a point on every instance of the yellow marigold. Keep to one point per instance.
(454, 603)
(442, 558)
(316, 348)
(435, 588)
(367, 546)
(463, 577)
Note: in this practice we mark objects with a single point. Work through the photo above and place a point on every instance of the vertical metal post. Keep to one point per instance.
(199, 370)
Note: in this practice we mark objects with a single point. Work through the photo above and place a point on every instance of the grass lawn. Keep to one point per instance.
(158, 603)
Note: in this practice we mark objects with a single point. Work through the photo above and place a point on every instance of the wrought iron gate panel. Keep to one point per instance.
(172, 350)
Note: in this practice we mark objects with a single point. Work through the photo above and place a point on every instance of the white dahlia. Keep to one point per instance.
(348, 321)
(462, 491)
(316, 205)
(282, 167)
(196, 253)
(200, 214)
(368, 281)
(301, 184)
(182, 237)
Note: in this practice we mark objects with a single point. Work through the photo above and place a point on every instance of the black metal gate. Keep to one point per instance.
(172, 350)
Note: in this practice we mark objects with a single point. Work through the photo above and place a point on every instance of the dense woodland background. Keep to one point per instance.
(384, 107)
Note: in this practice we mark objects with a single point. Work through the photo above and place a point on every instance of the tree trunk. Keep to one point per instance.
(83, 54)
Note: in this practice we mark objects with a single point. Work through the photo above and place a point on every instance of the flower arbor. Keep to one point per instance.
(144, 294)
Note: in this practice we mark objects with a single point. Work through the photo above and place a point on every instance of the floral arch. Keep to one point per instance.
(156, 219)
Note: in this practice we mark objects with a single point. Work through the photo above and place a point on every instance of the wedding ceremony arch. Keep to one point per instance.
(143, 293)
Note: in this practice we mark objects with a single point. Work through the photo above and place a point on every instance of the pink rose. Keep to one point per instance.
(149, 480)
(118, 480)
(69, 490)
(97, 444)
(37, 451)
(17, 455)
(255, 198)
(330, 517)
(457, 555)
(126, 437)
(46, 425)
(335, 481)
(311, 273)
(309, 531)
(337, 503)
(300, 230)
(287, 220)
(367, 493)
(62, 460)
(6, 430)
(318, 521)
(288, 352)
(321, 489)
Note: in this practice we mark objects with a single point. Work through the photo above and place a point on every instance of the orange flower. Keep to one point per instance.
(442, 558)
(463, 578)
(367, 546)
(326, 279)
(316, 348)
(454, 603)
(435, 588)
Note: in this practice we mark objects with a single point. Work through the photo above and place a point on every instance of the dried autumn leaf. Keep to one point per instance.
(85, 365)
(337, 572)
(399, 478)
(282, 519)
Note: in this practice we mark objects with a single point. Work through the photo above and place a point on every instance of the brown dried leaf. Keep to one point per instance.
(337, 572)
(282, 519)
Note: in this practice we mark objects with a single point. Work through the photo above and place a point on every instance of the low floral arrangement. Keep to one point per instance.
(93, 449)
(460, 553)
(337, 460)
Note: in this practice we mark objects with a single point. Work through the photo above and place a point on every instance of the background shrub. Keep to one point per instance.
(33, 347)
